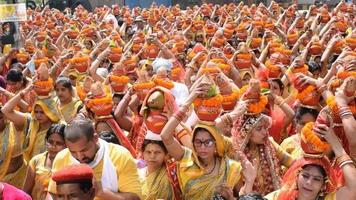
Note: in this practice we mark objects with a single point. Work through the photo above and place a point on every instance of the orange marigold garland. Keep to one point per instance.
(229, 100)
(313, 144)
(118, 83)
(301, 95)
(209, 102)
(143, 86)
(231, 97)
(164, 83)
(101, 106)
(259, 106)
(302, 70)
(330, 101)
(142, 89)
(120, 79)
(210, 70)
(345, 74)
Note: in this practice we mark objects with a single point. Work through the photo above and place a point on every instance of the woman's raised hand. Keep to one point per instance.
(346, 92)
(249, 170)
(327, 133)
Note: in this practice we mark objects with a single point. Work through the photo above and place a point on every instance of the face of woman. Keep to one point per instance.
(55, 144)
(204, 144)
(275, 89)
(310, 182)
(259, 133)
(63, 93)
(88, 45)
(304, 120)
(40, 115)
(199, 38)
(154, 155)
(246, 79)
(14, 86)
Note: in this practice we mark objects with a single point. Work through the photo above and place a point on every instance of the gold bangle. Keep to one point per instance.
(342, 158)
(346, 163)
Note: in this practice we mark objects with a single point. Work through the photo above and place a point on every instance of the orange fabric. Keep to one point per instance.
(289, 191)
(276, 131)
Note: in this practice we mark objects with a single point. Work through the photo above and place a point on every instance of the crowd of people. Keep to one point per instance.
(208, 102)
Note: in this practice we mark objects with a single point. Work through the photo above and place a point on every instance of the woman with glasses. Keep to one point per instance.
(40, 166)
(206, 171)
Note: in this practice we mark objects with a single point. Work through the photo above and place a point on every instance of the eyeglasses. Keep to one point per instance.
(51, 143)
(207, 143)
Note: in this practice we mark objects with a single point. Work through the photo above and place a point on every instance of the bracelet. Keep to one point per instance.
(344, 111)
(179, 115)
(346, 163)
(342, 159)
(226, 120)
(127, 98)
(322, 88)
(279, 100)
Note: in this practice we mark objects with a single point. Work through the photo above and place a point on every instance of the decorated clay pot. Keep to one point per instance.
(206, 113)
(43, 88)
(315, 48)
(115, 54)
(73, 34)
(243, 60)
(155, 122)
(81, 64)
(101, 106)
(23, 58)
(118, 83)
(39, 61)
(142, 89)
(311, 143)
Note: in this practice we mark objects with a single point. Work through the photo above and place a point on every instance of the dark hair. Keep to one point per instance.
(159, 143)
(65, 81)
(118, 95)
(109, 136)
(313, 66)
(16, 75)
(278, 81)
(56, 128)
(252, 196)
(320, 169)
(85, 186)
(78, 128)
(301, 111)
(201, 129)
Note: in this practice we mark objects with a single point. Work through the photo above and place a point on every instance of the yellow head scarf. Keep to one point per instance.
(49, 108)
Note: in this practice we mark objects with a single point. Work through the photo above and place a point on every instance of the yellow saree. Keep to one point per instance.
(69, 111)
(11, 147)
(292, 146)
(42, 178)
(194, 183)
(35, 138)
(156, 185)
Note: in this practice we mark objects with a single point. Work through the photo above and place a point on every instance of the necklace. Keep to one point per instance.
(213, 167)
